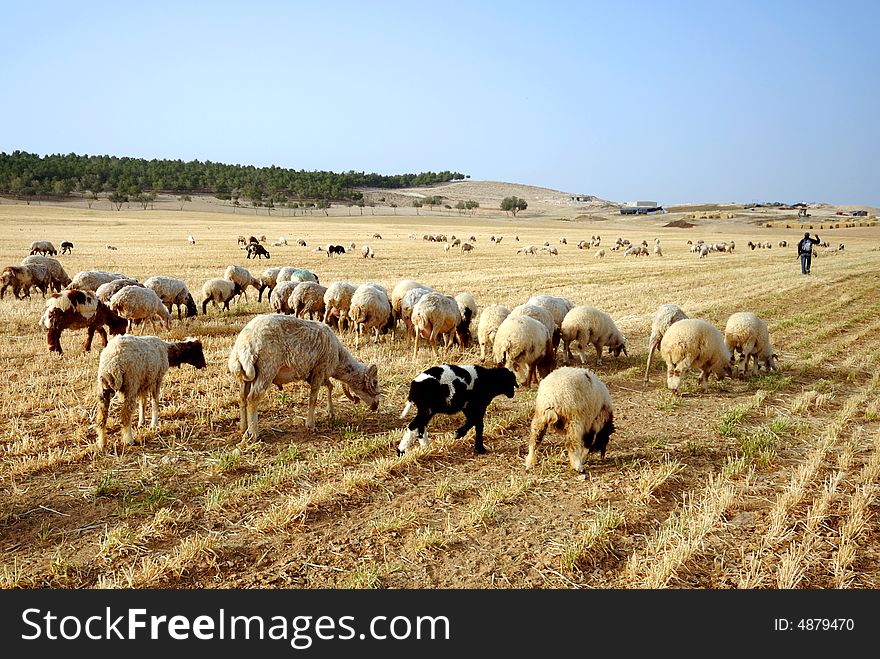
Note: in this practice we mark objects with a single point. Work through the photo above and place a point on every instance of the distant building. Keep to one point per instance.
(581, 197)
(640, 208)
(860, 213)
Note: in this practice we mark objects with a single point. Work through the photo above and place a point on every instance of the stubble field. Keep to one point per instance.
(766, 482)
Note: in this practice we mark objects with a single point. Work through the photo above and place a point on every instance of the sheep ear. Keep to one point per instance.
(372, 371)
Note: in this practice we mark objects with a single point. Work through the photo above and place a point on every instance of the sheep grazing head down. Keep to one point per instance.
(189, 351)
(367, 390)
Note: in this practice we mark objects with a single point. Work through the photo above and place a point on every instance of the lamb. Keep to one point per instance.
(694, 343)
(574, 401)
(134, 366)
(256, 250)
(173, 292)
(267, 281)
(665, 315)
(370, 310)
(747, 334)
(74, 309)
(433, 316)
(279, 300)
(218, 291)
(337, 301)
(66, 247)
(242, 277)
(57, 277)
(191, 240)
(406, 306)
(367, 251)
(587, 325)
(307, 298)
(108, 290)
(467, 307)
(522, 342)
(277, 349)
(43, 247)
(490, 320)
(138, 304)
(89, 280)
(20, 278)
(449, 389)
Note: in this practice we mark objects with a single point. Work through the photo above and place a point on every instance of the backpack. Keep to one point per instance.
(805, 246)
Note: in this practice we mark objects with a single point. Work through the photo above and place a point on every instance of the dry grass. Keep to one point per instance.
(767, 482)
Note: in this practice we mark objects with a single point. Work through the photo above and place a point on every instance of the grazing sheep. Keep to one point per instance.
(400, 289)
(242, 241)
(21, 278)
(524, 344)
(433, 316)
(43, 247)
(218, 291)
(112, 248)
(242, 277)
(449, 389)
(301, 242)
(490, 320)
(108, 290)
(290, 273)
(748, 335)
(406, 307)
(600, 254)
(74, 309)
(134, 366)
(138, 304)
(173, 292)
(692, 343)
(277, 349)
(352, 247)
(191, 240)
(256, 250)
(576, 402)
(377, 236)
(370, 310)
(528, 249)
(665, 315)
(337, 301)
(279, 300)
(466, 247)
(456, 242)
(307, 298)
(89, 280)
(66, 247)
(557, 306)
(57, 276)
(585, 326)
(657, 250)
(267, 281)
(563, 241)
(467, 307)
(543, 316)
(783, 243)
(367, 251)
(552, 250)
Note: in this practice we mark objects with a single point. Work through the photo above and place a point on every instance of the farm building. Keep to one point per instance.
(640, 208)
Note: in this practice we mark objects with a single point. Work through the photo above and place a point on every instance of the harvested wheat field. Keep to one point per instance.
(765, 482)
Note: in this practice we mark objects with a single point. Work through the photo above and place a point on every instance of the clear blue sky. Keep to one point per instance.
(668, 101)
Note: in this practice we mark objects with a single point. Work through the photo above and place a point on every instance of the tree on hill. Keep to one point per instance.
(471, 205)
(513, 205)
(417, 205)
(182, 199)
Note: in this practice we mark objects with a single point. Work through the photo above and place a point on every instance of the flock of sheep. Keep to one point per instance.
(282, 346)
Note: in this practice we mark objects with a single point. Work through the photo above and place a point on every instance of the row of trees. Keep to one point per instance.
(26, 175)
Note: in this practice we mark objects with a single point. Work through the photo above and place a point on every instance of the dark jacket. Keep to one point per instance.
(805, 246)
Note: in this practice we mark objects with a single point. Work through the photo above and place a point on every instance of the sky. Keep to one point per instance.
(674, 102)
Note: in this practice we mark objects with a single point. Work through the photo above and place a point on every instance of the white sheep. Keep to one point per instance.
(524, 344)
(134, 366)
(370, 310)
(218, 291)
(747, 334)
(307, 298)
(89, 280)
(277, 349)
(490, 320)
(291, 273)
(337, 301)
(542, 315)
(106, 291)
(400, 289)
(412, 296)
(44, 247)
(435, 315)
(665, 315)
(576, 402)
(138, 304)
(173, 292)
(693, 343)
(279, 300)
(191, 240)
(242, 277)
(557, 306)
(600, 253)
(528, 249)
(57, 277)
(367, 251)
(585, 325)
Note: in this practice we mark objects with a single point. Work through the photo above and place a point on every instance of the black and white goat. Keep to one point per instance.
(448, 389)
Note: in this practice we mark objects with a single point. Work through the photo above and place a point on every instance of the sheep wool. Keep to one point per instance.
(584, 326)
(277, 349)
(749, 336)
(370, 311)
(490, 320)
(435, 315)
(337, 301)
(218, 291)
(138, 304)
(524, 344)
(576, 402)
(665, 315)
(693, 343)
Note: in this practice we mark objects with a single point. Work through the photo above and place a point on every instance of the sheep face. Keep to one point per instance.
(366, 390)
(188, 351)
(191, 308)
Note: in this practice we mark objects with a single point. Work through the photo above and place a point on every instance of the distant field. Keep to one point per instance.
(768, 482)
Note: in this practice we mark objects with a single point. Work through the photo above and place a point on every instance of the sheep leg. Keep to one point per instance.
(648, 367)
(416, 346)
(310, 415)
(577, 451)
(243, 391)
(473, 419)
(103, 409)
(141, 401)
(329, 385)
(599, 347)
(538, 430)
(125, 415)
(154, 398)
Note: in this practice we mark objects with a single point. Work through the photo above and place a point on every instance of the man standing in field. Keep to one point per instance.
(805, 251)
